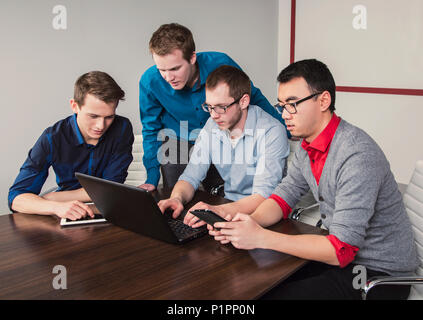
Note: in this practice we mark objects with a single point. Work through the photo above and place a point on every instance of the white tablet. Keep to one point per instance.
(98, 218)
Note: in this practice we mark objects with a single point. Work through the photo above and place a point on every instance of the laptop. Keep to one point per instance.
(136, 210)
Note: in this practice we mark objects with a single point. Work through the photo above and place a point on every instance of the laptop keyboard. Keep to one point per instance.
(182, 230)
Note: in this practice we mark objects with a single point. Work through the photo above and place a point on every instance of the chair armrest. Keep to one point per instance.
(402, 187)
(215, 190)
(48, 191)
(297, 212)
(377, 281)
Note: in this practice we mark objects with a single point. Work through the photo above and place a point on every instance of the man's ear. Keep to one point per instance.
(74, 106)
(193, 58)
(325, 100)
(244, 102)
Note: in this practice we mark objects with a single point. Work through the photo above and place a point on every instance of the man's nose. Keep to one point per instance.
(169, 76)
(100, 123)
(286, 115)
(214, 114)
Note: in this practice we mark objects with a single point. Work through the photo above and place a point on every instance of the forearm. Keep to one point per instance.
(33, 204)
(310, 247)
(267, 213)
(183, 191)
(153, 175)
(150, 148)
(306, 246)
(245, 205)
(62, 196)
(149, 159)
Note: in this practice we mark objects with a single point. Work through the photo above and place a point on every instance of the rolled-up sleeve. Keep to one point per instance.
(34, 171)
(272, 154)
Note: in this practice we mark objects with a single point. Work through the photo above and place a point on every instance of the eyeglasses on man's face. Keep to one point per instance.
(218, 109)
(291, 107)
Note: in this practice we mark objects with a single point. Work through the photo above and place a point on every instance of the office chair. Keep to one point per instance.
(218, 190)
(296, 213)
(48, 190)
(136, 171)
(307, 203)
(413, 200)
(50, 183)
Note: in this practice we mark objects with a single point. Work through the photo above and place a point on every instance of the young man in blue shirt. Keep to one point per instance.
(247, 146)
(94, 141)
(171, 94)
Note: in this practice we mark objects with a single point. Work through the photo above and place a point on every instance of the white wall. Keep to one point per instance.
(387, 54)
(39, 64)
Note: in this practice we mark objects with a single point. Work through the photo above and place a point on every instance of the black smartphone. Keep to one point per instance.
(208, 216)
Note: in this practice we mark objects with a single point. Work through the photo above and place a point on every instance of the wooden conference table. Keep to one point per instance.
(107, 262)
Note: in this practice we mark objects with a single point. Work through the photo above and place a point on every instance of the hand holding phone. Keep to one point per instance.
(208, 216)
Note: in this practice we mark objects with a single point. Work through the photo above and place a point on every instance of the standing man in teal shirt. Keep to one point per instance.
(171, 95)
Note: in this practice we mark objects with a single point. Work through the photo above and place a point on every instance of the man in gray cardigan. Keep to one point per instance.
(350, 177)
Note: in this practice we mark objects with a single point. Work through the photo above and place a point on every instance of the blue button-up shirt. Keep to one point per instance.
(62, 147)
(254, 166)
(180, 110)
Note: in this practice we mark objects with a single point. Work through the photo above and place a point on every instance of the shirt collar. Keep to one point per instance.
(79, 139)
(324, 139)
(250, 122)
(77, 132)
(202, 70)
(200, 82)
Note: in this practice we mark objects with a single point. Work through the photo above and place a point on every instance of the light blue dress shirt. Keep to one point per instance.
(254, 166)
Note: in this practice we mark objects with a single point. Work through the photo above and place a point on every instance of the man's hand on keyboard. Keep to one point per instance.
(174, 204)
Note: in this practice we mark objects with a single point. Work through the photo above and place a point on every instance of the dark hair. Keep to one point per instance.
(170, 37)
(315, 73)
(236, 79)
(100, 85)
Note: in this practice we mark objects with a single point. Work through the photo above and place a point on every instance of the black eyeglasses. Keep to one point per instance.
(218, 109)
(291, 107)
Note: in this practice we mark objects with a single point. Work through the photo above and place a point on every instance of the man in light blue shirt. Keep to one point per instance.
(247, 146)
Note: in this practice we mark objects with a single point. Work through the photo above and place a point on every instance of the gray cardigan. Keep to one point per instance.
(359, 200)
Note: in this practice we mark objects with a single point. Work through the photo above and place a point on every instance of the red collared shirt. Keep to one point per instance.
(318, 151)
